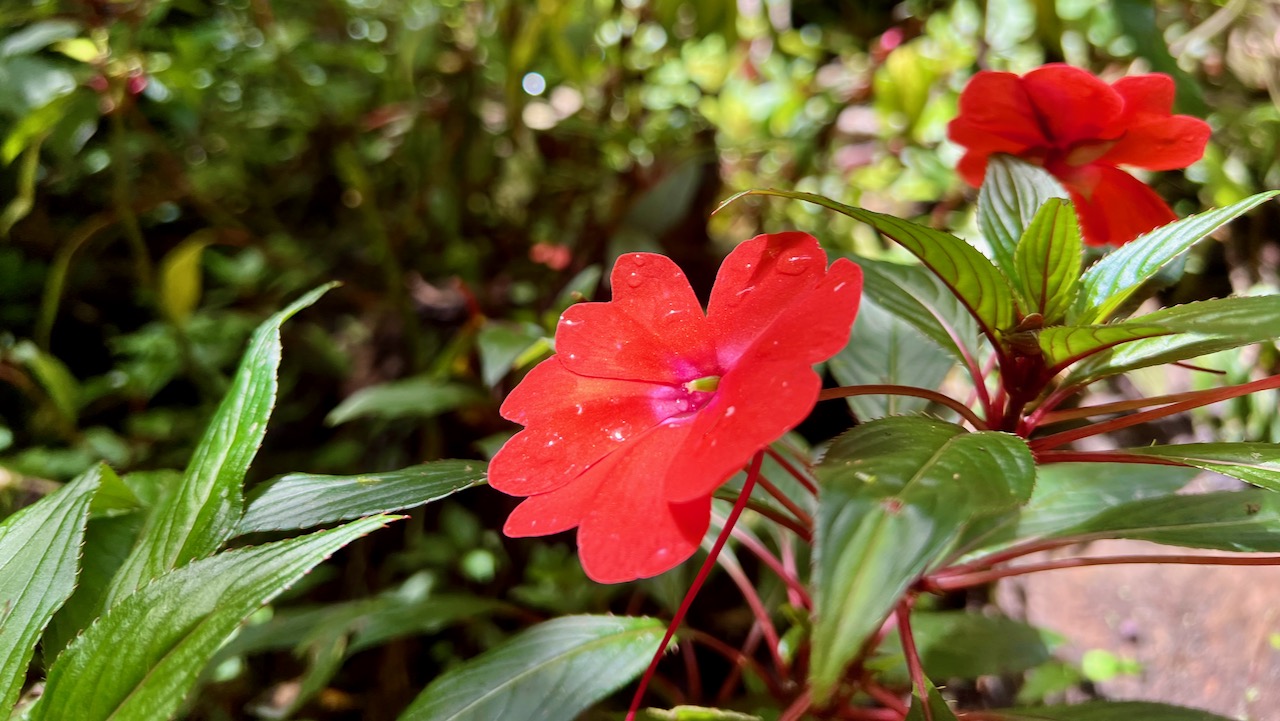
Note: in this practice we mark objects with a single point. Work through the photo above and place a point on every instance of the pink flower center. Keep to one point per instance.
(694, 395)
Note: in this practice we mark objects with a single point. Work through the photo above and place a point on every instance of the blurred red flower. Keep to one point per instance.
(649, 404)
(1079, 128)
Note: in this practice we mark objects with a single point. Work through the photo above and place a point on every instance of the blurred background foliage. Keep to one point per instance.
(172, 172)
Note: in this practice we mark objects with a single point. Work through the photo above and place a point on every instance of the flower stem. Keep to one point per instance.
(896, 390)
(967, 580)
(739, 659)
(794, 587)
(903, 614)
(731, 566)
(796, 473)
(789, 504)
(796, 710)
(1202, 398)
(752, 474)
(885, 697)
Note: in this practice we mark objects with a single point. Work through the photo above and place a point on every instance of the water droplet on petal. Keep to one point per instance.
(634, 280)
(578, 409)
(838, 287)
(743, 293)
(794, 265)
(682, 404)
(730, 411)
(639, 259)
(618, 435)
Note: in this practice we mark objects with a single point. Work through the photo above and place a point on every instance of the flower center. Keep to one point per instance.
(695, 394)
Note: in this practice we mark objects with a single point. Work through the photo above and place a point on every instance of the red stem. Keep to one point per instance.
(886, 697)
(1204, 398)
(734, 569)
(757, 547)
(752, 473)
(748, 652)
(903, 614)
(797, 474)
(739, 659)
(979, 578)
(789, 504)
(869, 714)
(787, 549)
(797, 708)
(1117, 407)
(895, 390)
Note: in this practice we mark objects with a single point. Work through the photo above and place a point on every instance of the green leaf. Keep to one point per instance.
(1048, 260)
(984, 291)
(420, 397)
(1104, 711)
(500, 344)
(142, 657)
(935, 709)
(915, 295)
(180, 279)
(303, 500)
(553, 670)
(1112, 280)
(39, 555)
(1012, 193)
(1230, 520)
(959, 644)
(1064, 345)
(1256, 463)
(896, 494)
(1198, 329)
(697, 713)
(883, 348)
(198, 516)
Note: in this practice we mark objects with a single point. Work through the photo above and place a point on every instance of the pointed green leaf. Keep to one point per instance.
(1199, 328)
(960, 644)
(935, 709)
(419, 397)
(1064, 345)
(203, 511)
(1230, 521)
(303, 500)
(1048, 260)
(984, 291)
(554, 670)
(896, 494)
(883, 348)
(1256, 463)
(1013, 191)
(142, 657)
(1104, 711)
(39, 555)
(914, 294)
(1112, 280)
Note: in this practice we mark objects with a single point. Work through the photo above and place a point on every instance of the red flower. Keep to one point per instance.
(649, 405)
(1079, 128)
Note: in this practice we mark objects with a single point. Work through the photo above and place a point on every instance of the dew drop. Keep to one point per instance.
(578, 409)
(742, 293)
(728, 412)
(570, 323)
(682, 404)
(617, 435)
(838, 287)
(794, 265)
(638, 259)
(634, 280)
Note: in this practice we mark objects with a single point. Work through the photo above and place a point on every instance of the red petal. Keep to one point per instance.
(1143, 94)
(1073, 104)
(652, 330)
(573, 421)
(973, 168)
(996, 116)
(1160, 143)
(1115, 207)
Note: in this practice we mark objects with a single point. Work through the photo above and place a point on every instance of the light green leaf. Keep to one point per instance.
(984, 291)
(896, 494)
(500, 344)
(915, 295)
(180, 280)
(1064, 345)
(934, 709)
(1199, 328)
(1104, 711)
(1048, 260)
(39, 555)
(303, 500)
(697, 713)
(142, 657)
(197, 517)
(420, 397)
(1012, 193)
(1231, 521)
(1114, 279)
(554, 670)
(1256, 463)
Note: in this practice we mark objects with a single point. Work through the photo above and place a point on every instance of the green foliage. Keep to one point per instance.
(1012, 194)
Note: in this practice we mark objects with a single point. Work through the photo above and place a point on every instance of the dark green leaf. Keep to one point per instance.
(1256, 463)
(1112, 280)
(303, 500)
(412, 397)
(1104, 711)
(500, 344)
(1230, 521)
(1199, 328)
(1048, 260)
(917, 296)
(1012, 193)
(883, 348)
(203, 511)
(1063, 345)
(896, 494)
(958, 644)
(969, 274)
(141, 658)
(39, 554)
(553, 670)
(935, 709)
